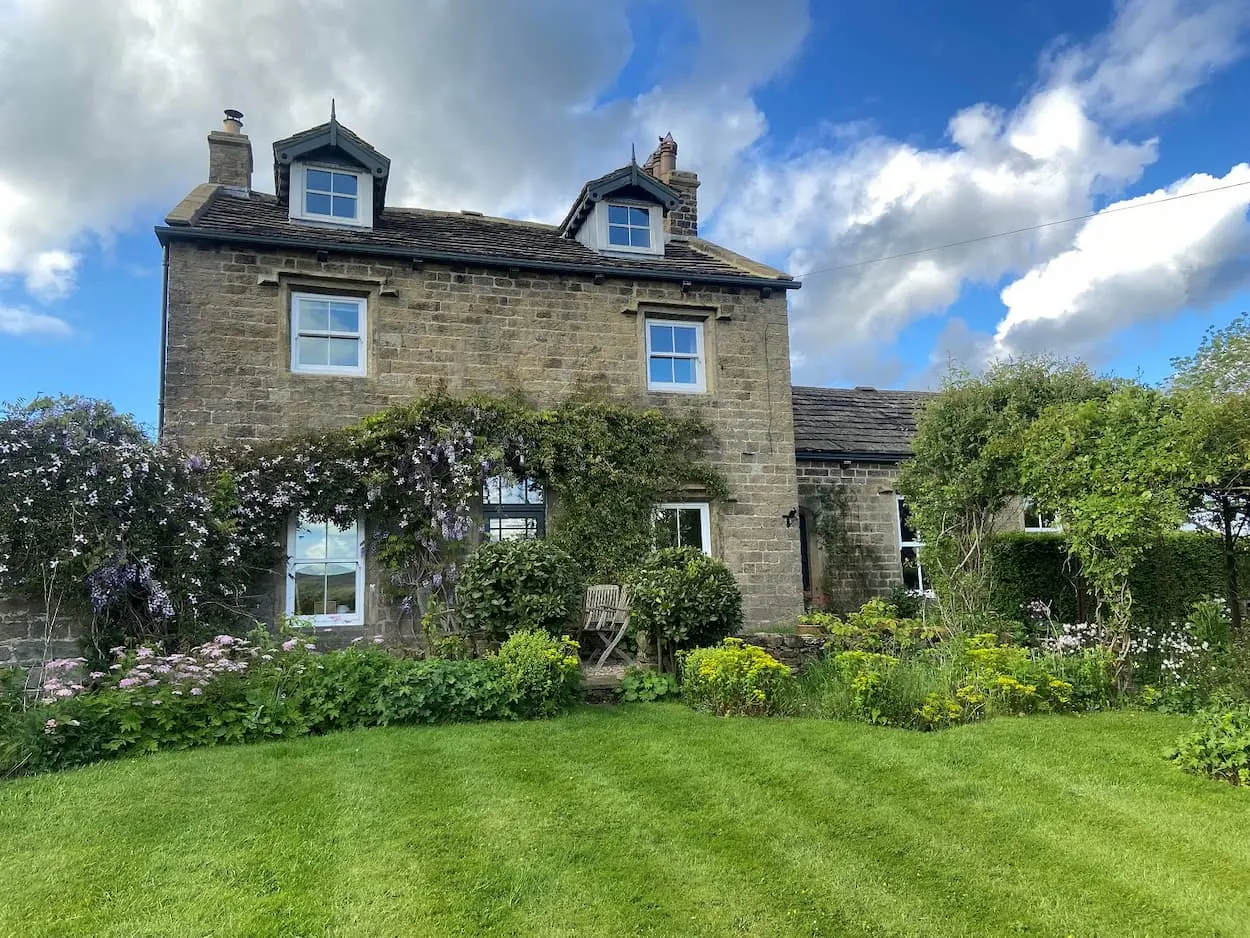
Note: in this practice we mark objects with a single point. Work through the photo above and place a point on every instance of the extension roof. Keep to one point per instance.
(850, 423)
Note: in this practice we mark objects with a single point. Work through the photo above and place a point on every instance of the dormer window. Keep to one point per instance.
(629, 226)
(332, 195)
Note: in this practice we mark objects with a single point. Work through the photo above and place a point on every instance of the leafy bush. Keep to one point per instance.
(684, 597)
(895, 672)
(542, 674)
(734, 678)
(233, 691)
(508, 586)
(1219, 745)
(642, 685)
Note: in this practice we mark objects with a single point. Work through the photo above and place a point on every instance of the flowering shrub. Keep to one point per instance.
(542, 674)
(1218, 746)
(233, 690)
(517, 585)
(734, 678)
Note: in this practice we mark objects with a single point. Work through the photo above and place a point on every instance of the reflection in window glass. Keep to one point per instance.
(910, 543)
(325, 569)
(327, 334)
(513, 509)
(682, 525)
(330, 193)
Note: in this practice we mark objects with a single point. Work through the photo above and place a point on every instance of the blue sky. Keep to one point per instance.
(825, 135)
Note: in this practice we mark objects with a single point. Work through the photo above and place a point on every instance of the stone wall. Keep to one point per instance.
(794, 651)
(25, 640)
(471, 329)
(866, 561)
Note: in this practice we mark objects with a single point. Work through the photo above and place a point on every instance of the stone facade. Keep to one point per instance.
(865, 558)
(548, 336)
(796, 652)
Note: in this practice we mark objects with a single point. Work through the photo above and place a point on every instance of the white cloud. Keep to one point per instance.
(22, 322)
(1132, 266)
(479, 104)
(1050, 157)
(50, 274)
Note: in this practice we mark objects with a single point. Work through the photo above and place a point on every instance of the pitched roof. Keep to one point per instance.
(457, 237)
(629, 180)
(856, 422)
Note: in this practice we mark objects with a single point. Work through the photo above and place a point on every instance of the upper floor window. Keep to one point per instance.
(1037, 521)
(328, 334)
(629, 226)
(325, 573)
(675, 356)
(331, 195)
(684, 524)
(514, 509)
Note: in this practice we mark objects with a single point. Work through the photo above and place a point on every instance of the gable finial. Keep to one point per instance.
(633, 155)
(332, 117)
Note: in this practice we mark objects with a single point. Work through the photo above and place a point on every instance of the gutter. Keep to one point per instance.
(165, 234)
(160, 399)
(814, 455)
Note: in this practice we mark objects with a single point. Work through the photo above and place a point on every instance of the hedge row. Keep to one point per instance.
(1182, 569)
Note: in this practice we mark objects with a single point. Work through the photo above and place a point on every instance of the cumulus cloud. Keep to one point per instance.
(1132, 266)
(1050, 157)
(23, 323)
(50, 274)
(503, 107)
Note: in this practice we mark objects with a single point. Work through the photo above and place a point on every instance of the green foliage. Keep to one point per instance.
(894, 672)
(877, 626)
(684, 597)
(12, 690)
(287, 694)
(1218, 746)
(967, 468)
(1172, 574)
(1112, 469)
(542, 674)
(734, 678)
(509, 586)
(451, 647)
(643, 685)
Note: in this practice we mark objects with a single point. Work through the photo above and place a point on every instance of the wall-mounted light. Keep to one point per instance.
(790, 517)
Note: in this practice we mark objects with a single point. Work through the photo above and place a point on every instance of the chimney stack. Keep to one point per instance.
(662, 164)
(230, 153)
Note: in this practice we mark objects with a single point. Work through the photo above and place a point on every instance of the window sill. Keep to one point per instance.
(675, 389)
(352, 620)
(317, 221)
(332, 372)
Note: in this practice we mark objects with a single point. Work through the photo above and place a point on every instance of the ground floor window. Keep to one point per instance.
(1037, 521)
(513, 509)
(325, 572)
(909, 544)
(684, 524)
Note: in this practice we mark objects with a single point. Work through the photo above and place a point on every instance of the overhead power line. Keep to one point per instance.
(1016, 231)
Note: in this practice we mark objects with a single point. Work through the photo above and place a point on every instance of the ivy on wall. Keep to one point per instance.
(151, 541)
(844, 577)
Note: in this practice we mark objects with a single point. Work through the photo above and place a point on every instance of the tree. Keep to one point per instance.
(966, 473)
(1115, 472)
(1212, 388)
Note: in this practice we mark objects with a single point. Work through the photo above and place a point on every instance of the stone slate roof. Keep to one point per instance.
(229, 215)
(856, 422)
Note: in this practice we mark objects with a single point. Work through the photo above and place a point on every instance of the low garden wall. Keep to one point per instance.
(794, 651)
(25, 641)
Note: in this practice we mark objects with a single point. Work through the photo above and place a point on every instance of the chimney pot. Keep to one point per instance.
(233, 123)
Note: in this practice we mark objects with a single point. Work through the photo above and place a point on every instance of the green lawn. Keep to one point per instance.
(650, 820)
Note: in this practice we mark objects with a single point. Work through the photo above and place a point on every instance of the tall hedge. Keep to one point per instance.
(1176, 573)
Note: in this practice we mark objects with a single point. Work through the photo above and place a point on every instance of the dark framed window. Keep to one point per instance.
(513, 509)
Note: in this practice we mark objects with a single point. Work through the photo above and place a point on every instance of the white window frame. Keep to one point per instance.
(364, 196)
(362, 306)
(916, 544)
(705, 519)
(332, 620)
(1028, 505)
(594, 232)
(699, 358)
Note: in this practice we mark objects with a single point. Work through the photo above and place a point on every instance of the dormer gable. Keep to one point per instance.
(329, 175)
(622, 212)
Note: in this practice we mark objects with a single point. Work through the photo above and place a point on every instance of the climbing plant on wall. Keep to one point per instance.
(162, 543)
